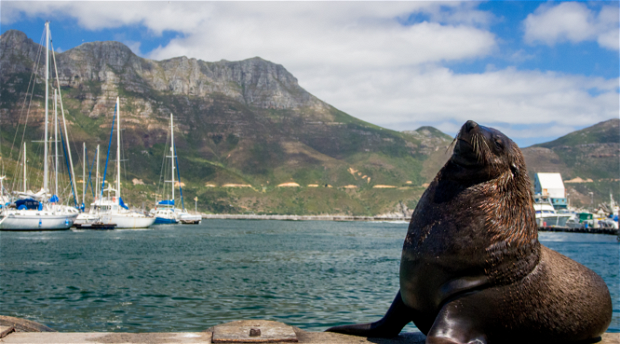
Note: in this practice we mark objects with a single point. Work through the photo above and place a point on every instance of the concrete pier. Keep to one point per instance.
(234, 332)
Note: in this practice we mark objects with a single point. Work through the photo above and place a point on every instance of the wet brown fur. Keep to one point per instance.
(472, 268)
(487, 179)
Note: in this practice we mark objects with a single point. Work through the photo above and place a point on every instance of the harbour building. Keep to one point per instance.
(550, 185)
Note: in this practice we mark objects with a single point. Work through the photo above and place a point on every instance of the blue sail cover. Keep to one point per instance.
(166, 202)
(54, 199)
(27, 203)
(122, 204)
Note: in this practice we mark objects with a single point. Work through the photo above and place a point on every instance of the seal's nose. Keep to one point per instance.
(469, 125)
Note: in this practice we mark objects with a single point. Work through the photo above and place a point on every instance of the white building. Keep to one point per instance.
(550, 185)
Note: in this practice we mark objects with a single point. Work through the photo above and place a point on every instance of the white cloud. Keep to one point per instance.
(359, 57)
(573, 22)
(433, 93)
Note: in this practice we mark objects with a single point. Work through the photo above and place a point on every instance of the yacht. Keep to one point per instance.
(112, 209)
(41, 210)
(165, 211)
(546, 216)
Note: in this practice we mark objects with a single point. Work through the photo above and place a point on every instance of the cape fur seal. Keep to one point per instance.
(472, 269)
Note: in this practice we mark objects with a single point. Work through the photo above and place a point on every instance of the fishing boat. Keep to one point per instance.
(39, 211)
(111, 208)
(165, 211)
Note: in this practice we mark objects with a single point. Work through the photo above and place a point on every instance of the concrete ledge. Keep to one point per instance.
(206, 338)
(104, 337)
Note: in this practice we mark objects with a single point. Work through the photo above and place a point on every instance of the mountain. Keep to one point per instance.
(247, 134)
(591, 154)
(242, 129)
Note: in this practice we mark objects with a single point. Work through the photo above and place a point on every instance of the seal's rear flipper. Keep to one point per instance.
(390, 325)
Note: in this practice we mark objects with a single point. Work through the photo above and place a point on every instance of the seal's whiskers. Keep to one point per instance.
(453, 143)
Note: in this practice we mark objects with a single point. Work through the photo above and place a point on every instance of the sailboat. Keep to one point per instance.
(165, 211)
(41, 210)
(90, 219)
(111, 208)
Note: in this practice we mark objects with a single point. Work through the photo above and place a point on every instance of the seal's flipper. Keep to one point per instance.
(390, 325)
(455, 324)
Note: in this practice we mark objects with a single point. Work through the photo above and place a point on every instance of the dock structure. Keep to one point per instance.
(244, 331)
(592, 230)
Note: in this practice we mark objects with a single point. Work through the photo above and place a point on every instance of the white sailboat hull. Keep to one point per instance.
(128, 220)
(28, 220)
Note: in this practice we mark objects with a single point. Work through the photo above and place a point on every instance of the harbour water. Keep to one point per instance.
(310, 274)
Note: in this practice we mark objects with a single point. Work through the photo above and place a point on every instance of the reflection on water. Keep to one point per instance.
(311, 274)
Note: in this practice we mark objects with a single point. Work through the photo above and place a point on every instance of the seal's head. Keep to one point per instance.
(490, 169)
(482, 154)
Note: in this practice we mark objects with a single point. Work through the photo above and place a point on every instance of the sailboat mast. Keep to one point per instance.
(172, 157)
(118, 150)
(97, 179)
(56, 137)
(47, 75)
(25, 188)
(64, 123)
(84, 172)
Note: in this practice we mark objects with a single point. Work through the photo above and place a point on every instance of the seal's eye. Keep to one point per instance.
(498, 143)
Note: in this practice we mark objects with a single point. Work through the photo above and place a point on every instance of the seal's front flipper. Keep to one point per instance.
(390, 325)
(455, 325)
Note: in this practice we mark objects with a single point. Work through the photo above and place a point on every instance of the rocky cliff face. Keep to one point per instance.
(237, 123)
(254, 82)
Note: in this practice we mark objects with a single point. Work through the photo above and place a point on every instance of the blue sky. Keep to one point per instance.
(535, 70)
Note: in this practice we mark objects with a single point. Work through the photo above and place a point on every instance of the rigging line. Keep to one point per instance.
(62, 111)
(1, 160)
(30, 82)
(64, 193)
(67, 161)
(59, 96)
(21, 111)
(105, 170)
(123, 156)
(89, 179)
(179, 177)
(162, 171)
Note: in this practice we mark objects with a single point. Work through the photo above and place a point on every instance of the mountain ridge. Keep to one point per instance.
(250, 123)
(243, 122)
(592, 153)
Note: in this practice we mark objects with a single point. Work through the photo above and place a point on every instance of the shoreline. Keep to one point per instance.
(609, 231)
(301, 217)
